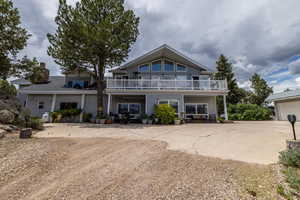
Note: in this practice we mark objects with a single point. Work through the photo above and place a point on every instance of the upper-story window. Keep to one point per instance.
(169, 66)
(180, 68)
(156, 66)
(144, 68)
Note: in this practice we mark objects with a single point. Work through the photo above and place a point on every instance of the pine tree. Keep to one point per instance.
(261, 90)
(93, 35)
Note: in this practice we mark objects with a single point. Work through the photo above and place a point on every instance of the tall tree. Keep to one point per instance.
(224, 72)
(94, 34)
(13, 39)
(261, 90)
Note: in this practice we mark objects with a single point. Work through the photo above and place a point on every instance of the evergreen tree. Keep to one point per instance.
(224, 72)
(261, 90)
(13, 39)
(93, 35)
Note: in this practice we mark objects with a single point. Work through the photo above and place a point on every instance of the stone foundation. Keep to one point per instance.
(293, 144)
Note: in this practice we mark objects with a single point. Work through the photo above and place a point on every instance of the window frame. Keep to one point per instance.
(142, 65)
(174, 66)
(178, 64)
(169, 100)
(39, 104)
(196, 104)
(161, 65)
(128, 108)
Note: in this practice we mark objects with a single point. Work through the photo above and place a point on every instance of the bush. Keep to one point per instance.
(292, 178)
(57, 116)
(290, 158)
(87, 117)
(36, 123)
(165, 113)
(7, 88)
(248, 112)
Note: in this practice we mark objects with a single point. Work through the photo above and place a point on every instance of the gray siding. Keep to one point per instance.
(32, 104)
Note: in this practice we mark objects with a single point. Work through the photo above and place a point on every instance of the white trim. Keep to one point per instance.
(225, 107)
(146, 107)
(196, 104)
(82, 107)
(161, 65)
(53, 103)
(168, 100)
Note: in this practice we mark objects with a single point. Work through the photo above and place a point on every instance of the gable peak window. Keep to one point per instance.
(144, 68)
(169, 66)
(180, 68)
(156, 66)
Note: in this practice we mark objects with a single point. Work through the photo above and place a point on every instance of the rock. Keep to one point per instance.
(6, 117)
(2, 133)
(25, 133)
(6, 128)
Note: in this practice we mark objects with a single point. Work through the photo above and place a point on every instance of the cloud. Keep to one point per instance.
(294, 66)
(259, 36)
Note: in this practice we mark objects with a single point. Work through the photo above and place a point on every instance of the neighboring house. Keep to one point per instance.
(286, 103)
(161, 76)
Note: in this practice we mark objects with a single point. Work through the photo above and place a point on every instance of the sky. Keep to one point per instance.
(258, 36)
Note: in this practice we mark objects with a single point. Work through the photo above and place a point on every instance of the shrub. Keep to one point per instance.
(290, 158)
(7, 88)
(165, 113)
(87, 117)
(36, 123)
(57, 116)
(248, 112)
(292, 178)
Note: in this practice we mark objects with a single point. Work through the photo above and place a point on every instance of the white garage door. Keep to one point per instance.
(286, 108)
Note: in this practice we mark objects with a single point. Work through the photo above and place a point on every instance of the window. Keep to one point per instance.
(144, 68)
(131, 108)
(172, 103)
(68, 105)
(156, 66)
(41, 105)
(180, 68)
(196, 109)
(169, 66)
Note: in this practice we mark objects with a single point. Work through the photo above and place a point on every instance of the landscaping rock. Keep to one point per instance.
(293, 144)
(25, 133)
(6, 117)
(2, 133)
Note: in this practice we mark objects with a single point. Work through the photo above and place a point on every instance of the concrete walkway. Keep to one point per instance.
(254, 142)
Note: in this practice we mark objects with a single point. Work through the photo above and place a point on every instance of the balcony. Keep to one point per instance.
(150, 84)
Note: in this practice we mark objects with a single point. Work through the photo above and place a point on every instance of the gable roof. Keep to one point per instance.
(284, 95)
(162, 51)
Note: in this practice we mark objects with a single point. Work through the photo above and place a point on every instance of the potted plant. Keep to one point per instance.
(150, 119)
(177, 121)
(144, 118)
(108, 120)
(100, 119)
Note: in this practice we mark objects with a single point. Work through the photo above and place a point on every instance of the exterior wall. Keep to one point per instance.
(284, 108)
(67, 98)
(32, 104)
(210, 100)
(90, 105)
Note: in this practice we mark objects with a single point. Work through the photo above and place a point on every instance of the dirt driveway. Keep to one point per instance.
(121, 169)
(254, 142)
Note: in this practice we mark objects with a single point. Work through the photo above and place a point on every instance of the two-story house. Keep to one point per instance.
(161, 76)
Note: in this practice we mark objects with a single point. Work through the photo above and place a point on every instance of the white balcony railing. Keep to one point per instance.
(131, 84)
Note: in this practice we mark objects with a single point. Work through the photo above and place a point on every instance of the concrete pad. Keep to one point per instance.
(254, 142)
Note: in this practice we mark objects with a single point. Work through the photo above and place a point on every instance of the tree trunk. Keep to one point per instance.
(100, 90)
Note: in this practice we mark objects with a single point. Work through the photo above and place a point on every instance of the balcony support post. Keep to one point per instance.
(225, 107)
(108, 103)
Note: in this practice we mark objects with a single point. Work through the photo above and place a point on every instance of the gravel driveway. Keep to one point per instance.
(121, 169)
(254, 142)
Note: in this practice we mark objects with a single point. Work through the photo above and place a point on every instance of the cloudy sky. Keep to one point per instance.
(259, 36)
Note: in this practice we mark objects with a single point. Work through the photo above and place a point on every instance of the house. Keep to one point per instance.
(286, 103)
(161, 76)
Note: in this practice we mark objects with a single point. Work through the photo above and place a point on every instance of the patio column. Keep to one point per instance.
(53, 102)
(225, 107)
(82, 107)
(108, 103)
